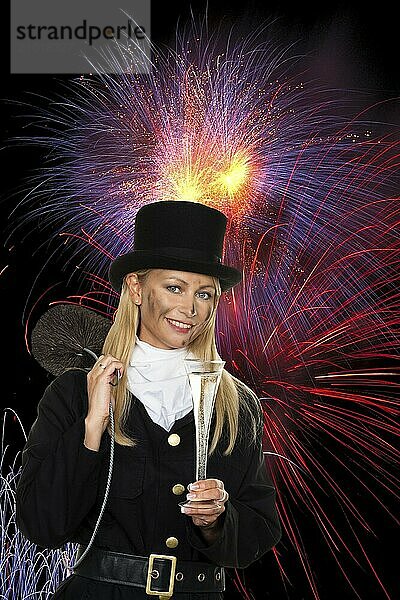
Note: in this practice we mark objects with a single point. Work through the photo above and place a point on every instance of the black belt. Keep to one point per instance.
(158, 574)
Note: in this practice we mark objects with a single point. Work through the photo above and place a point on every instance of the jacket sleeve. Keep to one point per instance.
(58, 483)
(250, 522)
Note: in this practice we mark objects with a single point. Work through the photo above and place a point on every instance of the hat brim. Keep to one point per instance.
(134, 261)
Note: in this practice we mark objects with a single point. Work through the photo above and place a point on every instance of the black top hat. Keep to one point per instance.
(187, 236)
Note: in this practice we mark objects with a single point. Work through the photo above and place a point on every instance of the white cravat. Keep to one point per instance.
(158, 378)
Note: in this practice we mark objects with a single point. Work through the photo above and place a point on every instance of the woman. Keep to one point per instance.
(170, 285)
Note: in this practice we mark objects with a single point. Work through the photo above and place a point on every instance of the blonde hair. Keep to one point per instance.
(232, 396)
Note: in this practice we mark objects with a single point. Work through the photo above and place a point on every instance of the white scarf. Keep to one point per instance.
(158, 378)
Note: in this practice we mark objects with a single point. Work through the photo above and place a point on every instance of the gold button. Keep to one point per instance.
(178, 489)
(174, 439)
(171, 542)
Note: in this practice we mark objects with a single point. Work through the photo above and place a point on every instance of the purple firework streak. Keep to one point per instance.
(311, 198)
(25, 571)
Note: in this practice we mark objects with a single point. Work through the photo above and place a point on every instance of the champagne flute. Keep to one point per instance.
(204, 378)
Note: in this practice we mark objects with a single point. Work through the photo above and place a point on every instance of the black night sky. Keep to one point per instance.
(348, 46)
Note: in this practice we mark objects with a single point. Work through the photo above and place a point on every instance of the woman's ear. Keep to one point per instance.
(135, 289)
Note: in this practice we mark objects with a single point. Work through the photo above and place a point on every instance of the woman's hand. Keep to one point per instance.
(99, 385)
(207, 503)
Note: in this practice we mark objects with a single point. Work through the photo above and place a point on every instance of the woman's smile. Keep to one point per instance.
(179, 326)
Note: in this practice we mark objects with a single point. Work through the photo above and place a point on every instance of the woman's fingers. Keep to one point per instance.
(99, 379)
(203, 508)
(106, 368)
(208, 489)
(106, 364)
(205, 515)
(207, 500)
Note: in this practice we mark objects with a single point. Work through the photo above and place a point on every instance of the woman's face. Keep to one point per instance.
(174, 306)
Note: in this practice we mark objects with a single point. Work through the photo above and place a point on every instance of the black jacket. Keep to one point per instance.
(62, 485)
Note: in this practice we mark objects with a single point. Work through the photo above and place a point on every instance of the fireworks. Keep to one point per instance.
(311, 198)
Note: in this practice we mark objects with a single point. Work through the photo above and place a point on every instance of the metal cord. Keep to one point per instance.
(92, 354)
(110, 471)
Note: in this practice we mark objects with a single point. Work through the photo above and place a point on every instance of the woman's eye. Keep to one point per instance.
(175, 289)
(205, 295)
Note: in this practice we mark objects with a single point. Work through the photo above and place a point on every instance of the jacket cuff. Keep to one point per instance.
(217, 551)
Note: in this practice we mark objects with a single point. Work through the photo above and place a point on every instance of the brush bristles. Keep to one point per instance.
(61, 334)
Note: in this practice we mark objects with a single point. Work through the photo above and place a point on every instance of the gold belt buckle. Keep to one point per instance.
(170, 591)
